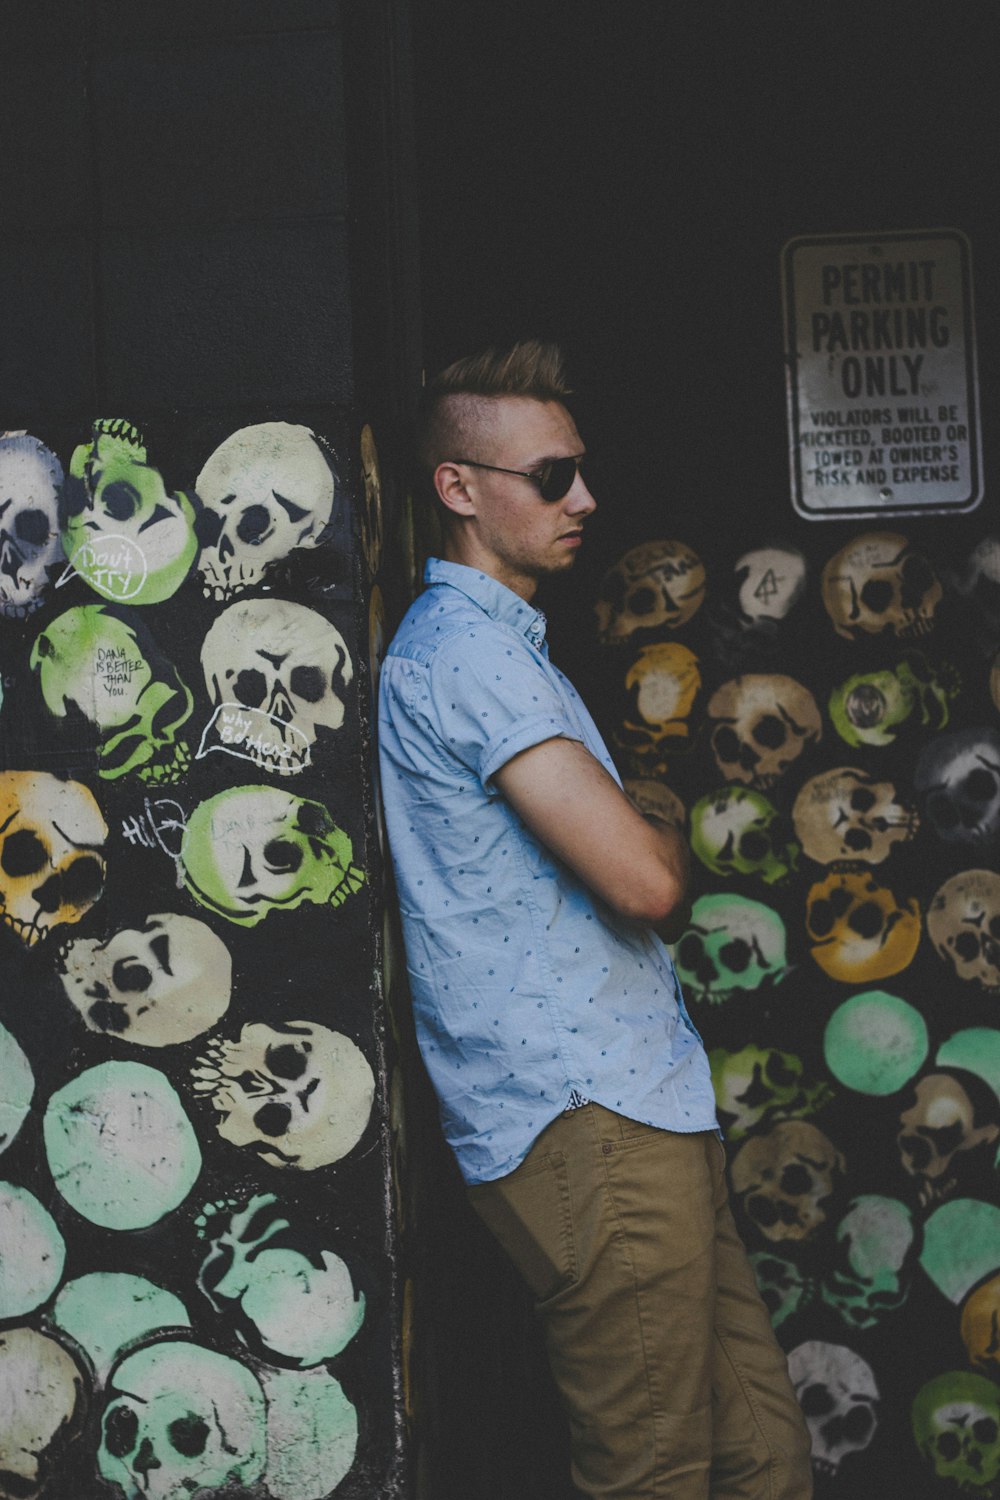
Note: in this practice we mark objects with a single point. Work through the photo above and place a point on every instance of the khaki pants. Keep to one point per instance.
(659, 1343)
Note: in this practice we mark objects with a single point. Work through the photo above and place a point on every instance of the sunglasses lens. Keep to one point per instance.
(557, 478)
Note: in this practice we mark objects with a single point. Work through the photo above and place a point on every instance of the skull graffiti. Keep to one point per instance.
(30, 548)
(784, 1180)
(103, 668)
(758, 1085)
(956, 1424)
(981, 1326)
(181, 1420)
(268, 490)
(875, 708)
(653, 799)
(656, 585)
(846, 815)
(875, 1260)
(43, 1398)
(737, 831)
(771, 581)
(297, 1094)
(963, 923)
(879, 583)
(52, 838)
(838, 1395)
(760, 725)
(946, 1116)
(783, 1287)
(958, 775)
(731, 944)
(123, 533)
(277, 674)
(663, 684)
(163, 983)
(978, 581)
(859, 930)
(252, 850)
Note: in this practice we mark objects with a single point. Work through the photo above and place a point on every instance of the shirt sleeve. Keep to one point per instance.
(493, 696)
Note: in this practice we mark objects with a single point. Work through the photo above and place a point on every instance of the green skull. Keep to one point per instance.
(782, 1286)
(101, 665)
(757, 1085)
(123, 533)
(256, 849)
(731, 945)
(872, 708)
(875, 1259)
(737, 831)
(956, 1424)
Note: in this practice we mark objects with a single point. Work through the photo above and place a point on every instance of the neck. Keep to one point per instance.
(457, 549)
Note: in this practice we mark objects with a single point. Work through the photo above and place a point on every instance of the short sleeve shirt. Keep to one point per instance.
(528, 990)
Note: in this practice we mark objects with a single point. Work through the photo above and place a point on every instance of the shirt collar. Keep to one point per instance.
(493, 597)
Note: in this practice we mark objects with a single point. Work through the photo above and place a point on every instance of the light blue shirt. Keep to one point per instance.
(528, 990)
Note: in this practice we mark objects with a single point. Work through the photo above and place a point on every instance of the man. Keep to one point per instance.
(574, 1090)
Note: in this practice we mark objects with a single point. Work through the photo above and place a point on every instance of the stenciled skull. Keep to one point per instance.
(758, 1085)
(958, 775)
(129, 539)
(981, 1326)
(182, 1420)
(859, 930)
(736, 831)
(252, 850)
(846, 815)
(277, 674)
(956, 1424)
(761, 723)
(100, 666)
(655, 585)
(978, 581)
(30, 548)
(731, 944)
(300, 1307)
(654, 799)
(297, 1094)
(946, 1115)
(785, 1178)
(43, 1399)
(663, 683)
(875, 708)
(17, 1087)
(268, 490)
(878, 583)
(162, 983)
(52, 838)
(875, 1259)
(838, 1395)
(771, 581)
(963, 923)
(784, 1288)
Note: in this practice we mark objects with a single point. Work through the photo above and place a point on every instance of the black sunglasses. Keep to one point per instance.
(553, 480)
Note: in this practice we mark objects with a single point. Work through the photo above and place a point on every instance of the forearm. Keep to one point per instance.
(677, 856)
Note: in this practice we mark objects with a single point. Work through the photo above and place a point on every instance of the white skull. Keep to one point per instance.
(979, 581)
(846, 815)
(297, 1094)
(43, 1401)
(182, 1420)
(277, 674)
(771, 580)
(959, 775)
(878, 583)
(944, 1119)
(963, 923)
(657, 584)
(269, 489)
(760, 725)
(785, 1178)
(52, 838)
(876, 1252)
(30, 547)
(837, 1392)
(163, 983)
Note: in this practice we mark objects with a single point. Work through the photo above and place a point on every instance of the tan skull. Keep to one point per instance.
(938, 1128)
(658, 583)
(860, 931)
(846, 815)
(981, 1325)
(879, 583)
(785, 1178)
(43, 1401)
(963, 923)
(760, 724)
(663, 682)
(52, 838)
(655, 800)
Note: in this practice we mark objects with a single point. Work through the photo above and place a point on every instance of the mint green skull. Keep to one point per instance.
(255, 849)
(872, 708)
(875, 1259)
(123, 533)
(731, 944)
(737, 831)
(103, 667)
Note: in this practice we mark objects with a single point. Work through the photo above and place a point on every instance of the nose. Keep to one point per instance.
(579, 500)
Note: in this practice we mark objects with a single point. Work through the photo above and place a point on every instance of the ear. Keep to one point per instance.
(451, 489)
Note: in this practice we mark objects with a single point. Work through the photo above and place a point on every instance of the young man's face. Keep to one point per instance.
(521, 538)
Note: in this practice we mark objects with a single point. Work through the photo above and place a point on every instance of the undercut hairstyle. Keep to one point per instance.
(455, 417)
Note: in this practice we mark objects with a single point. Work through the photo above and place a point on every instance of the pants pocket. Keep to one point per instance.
(529, 1213)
